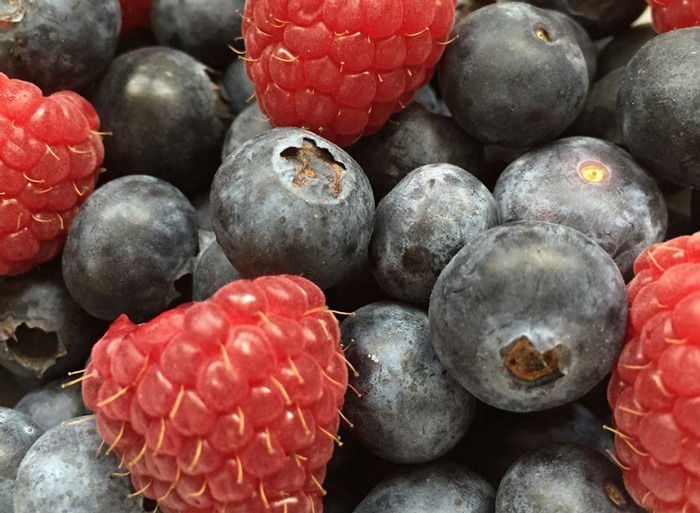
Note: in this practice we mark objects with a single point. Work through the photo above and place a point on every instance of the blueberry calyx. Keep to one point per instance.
(312, 161)
(526, 363)
(614, 490)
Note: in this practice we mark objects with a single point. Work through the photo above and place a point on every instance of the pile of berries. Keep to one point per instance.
(295, 256)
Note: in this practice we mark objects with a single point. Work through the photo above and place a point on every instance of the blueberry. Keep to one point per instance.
(289, 201)
(529, 315)
(429, 99)
(588, 48)
(6, 492)
(128, 245)
(598, 118)
(238, 87)
(45, 332)
(165, 117)
(250, 123)
(498, 438)
(563, 477)
(440, 487)
(58, 44)
(52, 404)
(18, 432)
(410, 409)
(514, 76)
(591, 185)
(212, 270)
(412, 138)
(61, 474)
(618, 52)
(420, 225)
(658, 105)
(203, 28)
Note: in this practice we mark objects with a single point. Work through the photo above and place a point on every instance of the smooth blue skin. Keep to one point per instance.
(624, 213)
(618, 52)
(202, 28)
(439, 487)
(598, 118)
(274, 214)
(58, 44)
(529, 281)
(212, 270)
(411, 410)
(165, 115)
(129, 243)
(564, 477)
(422, 223)
(6, 491)
(61, 474)
(658, 104)
(52, 404)
(18, 432)
(250, 123)
(238, 87)
(515, 76)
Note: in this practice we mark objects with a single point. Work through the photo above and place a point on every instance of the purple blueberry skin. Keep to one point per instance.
(440, 487)
(58, 44)
(422, 223)
(289, 201)
(130, 242)
(624, 212)
(514, 76)
(658, 106)
(411, 410)
(529, 315)
(564, 477)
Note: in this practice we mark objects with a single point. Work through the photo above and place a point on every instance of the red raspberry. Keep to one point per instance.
(655, 388)
(340, 68)
(135, 13)
(231, 404)
(49, 156)
(674, 14)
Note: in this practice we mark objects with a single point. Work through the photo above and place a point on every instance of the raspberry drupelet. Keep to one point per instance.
(655, 387)
(227, 405)
(674, 14)
(341, 68)
(50, 153)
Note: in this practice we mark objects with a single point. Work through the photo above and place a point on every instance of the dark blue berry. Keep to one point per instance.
(412, 138)
(250, 123)
(440, 487)
(564, 477)
(45, 332)
(206, 29)
(62, 474)
(619, 51)
(658, 105)
(6, 491)
(165, 116)
(238, 87)
(18, 432)
(514, 76)
(420, 225)
(291, 202)
(53, 403)
(410, 409)
(131, 241)
(58, 44)
(529, 315)
(212, 270)
(591, 185)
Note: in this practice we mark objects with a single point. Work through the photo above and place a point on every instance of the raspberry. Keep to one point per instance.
(674, 14)
(231, 404)
(50, 151)
(135, 13)
(655, 388)
(342, 68)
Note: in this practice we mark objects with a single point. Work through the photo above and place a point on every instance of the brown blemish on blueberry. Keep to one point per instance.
(542, 34)
(615, 494)
(313, 161)
(11, 12)
(526, 363)
(32, 347)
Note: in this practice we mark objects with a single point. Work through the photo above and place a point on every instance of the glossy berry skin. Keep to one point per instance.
(232, 403)
(674, 14)
(513, 312)
(50, 153)
(654, 390)
(342, 68)
(486, 95)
